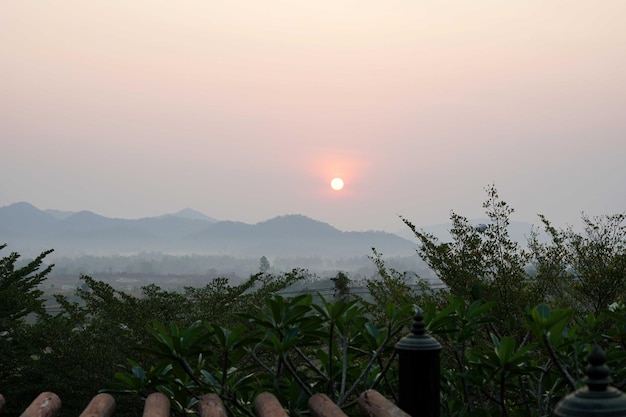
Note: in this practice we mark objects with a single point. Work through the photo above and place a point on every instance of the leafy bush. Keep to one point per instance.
(292, 347)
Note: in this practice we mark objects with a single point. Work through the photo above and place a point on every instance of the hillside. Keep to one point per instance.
(30, 230)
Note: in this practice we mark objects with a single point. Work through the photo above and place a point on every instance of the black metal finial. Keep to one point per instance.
(597, 398)
(597, 370)
(419, 328)
(418, 339)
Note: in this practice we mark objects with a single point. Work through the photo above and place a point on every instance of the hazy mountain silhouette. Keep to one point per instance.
(24, 218)
(190, 214)
(29, 231)
(59, 214)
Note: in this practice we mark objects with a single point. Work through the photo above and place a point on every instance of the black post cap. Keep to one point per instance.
(598, 398)
(418, 340)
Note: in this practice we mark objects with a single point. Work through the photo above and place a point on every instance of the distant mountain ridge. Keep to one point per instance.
(29, 230)
(188, 213)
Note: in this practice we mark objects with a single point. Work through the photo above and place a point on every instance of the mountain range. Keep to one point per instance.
(29, 230)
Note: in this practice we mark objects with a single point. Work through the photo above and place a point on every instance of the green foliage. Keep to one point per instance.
(76, 353)
(392, 286)
(460, 329)
(500, 354)
(342, 286)
(19, 289)
(21, 307)
(504, 376)
(295, 347)
(584, 270)
(483, 263)
(264, 264)
(292, 347)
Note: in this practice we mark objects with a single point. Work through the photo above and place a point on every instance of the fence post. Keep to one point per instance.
(156, 405)
(102, 405)
(322, 406)
(597, 398)
(267, 405)
(374, 404)
(47, 404)
(211, 405)
(418, 373)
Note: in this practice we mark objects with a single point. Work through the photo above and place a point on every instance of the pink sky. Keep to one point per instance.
(245, 110)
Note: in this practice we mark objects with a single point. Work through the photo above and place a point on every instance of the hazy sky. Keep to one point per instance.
(246, 109)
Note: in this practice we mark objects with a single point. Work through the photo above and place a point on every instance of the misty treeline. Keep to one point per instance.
(515, 323)
(155, 264)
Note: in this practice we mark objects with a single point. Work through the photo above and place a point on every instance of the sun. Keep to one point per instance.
(336, 184)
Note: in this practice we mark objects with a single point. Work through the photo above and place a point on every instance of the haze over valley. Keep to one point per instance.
(190, 244)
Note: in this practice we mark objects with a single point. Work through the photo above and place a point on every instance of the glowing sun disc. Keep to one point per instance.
(336, 184)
